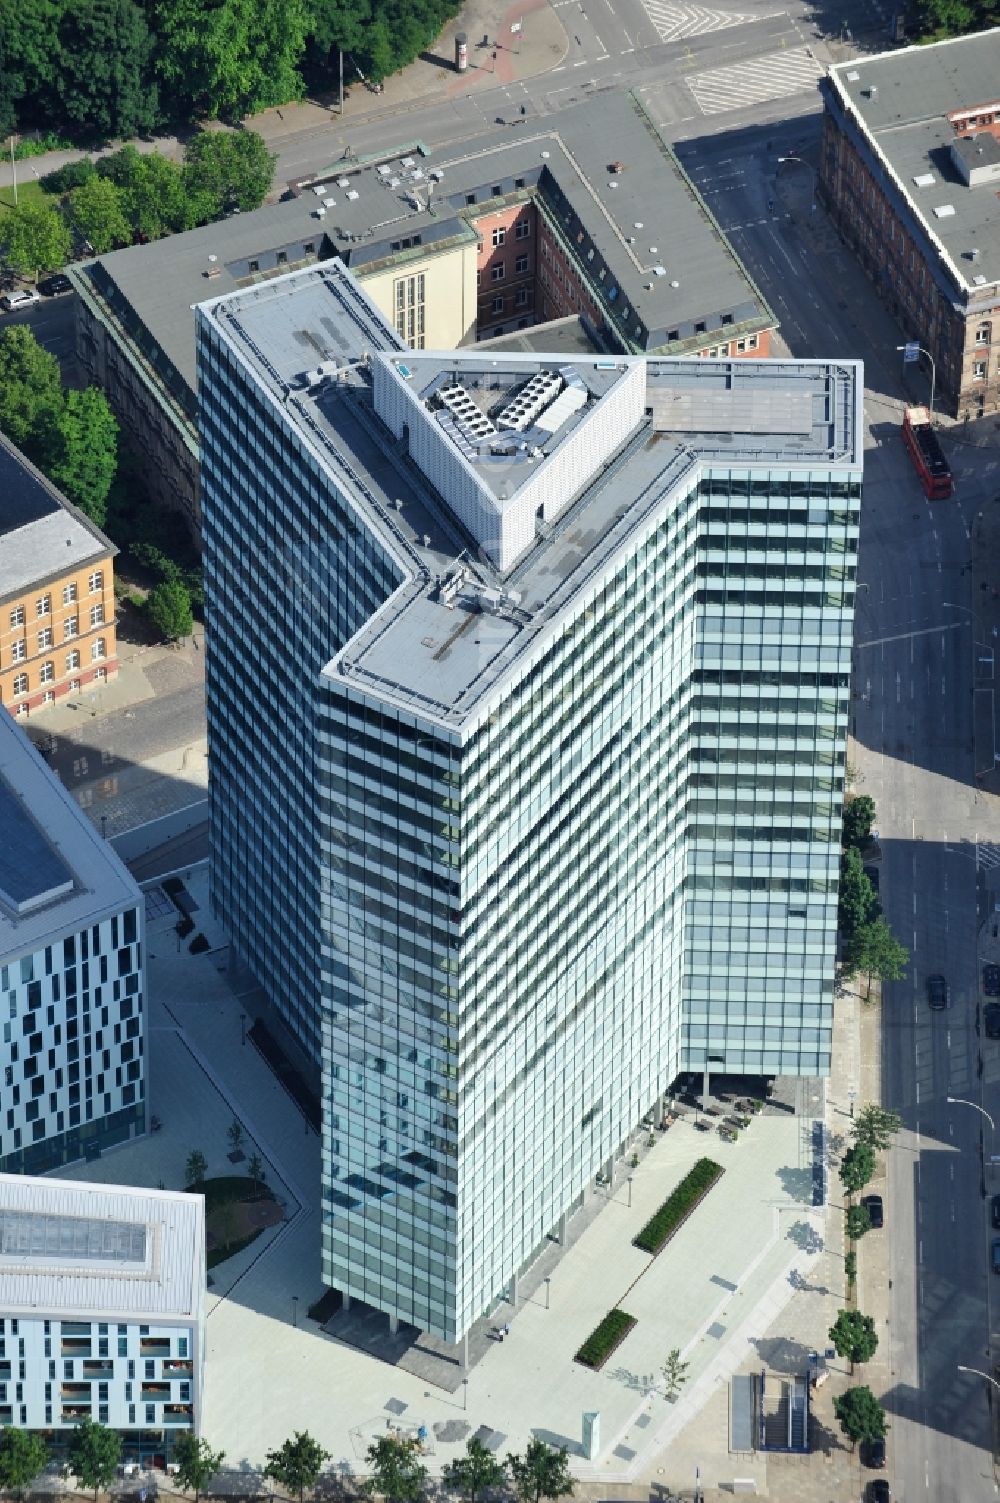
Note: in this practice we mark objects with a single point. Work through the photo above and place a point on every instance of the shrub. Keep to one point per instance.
(678, 1206)
(601, 1343)
(73, 175)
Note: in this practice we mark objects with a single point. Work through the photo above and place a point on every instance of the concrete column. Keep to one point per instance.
(347, 1302)
(609, 1171)
(661, 1106)
(705, 1086)
(562, 1230)
(465, 1352)
(513, 1291)
(393, 1324)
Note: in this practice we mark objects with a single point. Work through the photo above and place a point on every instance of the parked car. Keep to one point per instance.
(22, 299)
(878, 1491)
(937, 992)
(995, 1210)
(995, 1254)
(52, 286)
(873, 1452)
(873, 1205)
(991, 980)
(991, 1020)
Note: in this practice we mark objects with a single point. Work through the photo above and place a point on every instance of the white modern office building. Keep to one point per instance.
(528, 690)
(71, 974)
(102, 1294)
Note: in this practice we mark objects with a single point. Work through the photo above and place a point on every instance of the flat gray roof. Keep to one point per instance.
(79, 1248)
(665, 257)
(901, 103)
(451, 634)
(41, 535)
(562, 336)
(58, 875)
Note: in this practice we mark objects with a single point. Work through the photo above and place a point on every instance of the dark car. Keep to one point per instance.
(995, 1210)
(991, 1020)
(991, 980)
(873, 1452)
(873, 1205)
(995, 1254)
(871, 872)
(52, 286)
(937, 992)
(878, 1491)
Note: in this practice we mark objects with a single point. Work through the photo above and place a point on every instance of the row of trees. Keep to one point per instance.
(130, 196)
(869, 944)
(112, 69)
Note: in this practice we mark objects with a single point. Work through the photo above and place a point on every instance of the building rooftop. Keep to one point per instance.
(487, 577)
(918, 109)
(42, 536)
(56, 873)
(665, 261)
(561, 336)
(69, 1248)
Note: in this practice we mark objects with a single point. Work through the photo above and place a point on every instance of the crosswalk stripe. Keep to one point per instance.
(673, 22)
(773, 77)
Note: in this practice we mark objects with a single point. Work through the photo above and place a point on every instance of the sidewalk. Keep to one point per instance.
(537, 47)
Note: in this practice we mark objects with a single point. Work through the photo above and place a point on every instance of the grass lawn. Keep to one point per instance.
(29, 190)
(236, 1212)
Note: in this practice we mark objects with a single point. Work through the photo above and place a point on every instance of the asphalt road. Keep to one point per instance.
(52, 321)
(912, 718)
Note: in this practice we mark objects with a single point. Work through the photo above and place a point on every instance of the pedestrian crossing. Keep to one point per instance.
(674, 22)
(989, 855)
(793, 71)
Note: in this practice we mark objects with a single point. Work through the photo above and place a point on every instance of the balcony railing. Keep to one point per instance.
(76, 1348)
(177, 1414)
(98, 1369)
(153, 1346)
(177, 1369)
(155, 1393)
(73, 1412)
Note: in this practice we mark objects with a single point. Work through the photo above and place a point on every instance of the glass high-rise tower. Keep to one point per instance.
(528, 687)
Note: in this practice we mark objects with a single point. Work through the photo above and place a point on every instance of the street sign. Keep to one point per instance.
(911, 352)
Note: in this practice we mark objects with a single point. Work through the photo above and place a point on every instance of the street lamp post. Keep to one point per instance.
(979, 1374)
(930, 357)
(295, 1310)
(959, 1101)
(548, 1284)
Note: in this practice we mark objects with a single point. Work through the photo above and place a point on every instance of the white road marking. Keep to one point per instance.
(776, 76)
(674, 21)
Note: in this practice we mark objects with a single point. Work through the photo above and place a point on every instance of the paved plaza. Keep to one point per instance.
(713, 1292)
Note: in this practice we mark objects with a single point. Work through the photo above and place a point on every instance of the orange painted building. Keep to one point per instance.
(57, 598)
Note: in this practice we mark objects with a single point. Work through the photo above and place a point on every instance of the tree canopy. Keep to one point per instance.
(298, 1462)
(875, 950)
(542, 1472)
(94, 1454)
(81, 455)
(857, 1167)
(100, 70)
(226, 170)
(34, 238)
(476, 1472)
(876, 1125)
(853, 1336)
(23, 1454)
(196, 1462)
(860, 1415)
(859, 816)
(858, 904)
(397, 1473)
(97, 214)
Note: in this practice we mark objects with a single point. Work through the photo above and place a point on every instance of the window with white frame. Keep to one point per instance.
(18, 651)
(983, 334)
(69, 593)
(95, 582)
(499, 235)
(498, 305)
(497, 272)
(49, 697)
(99, 649)
(521, 264)
(409, 301)
(47, 673)
(21, 710)
(522, 297)
(74, 686)
(21, 683)
(751, 342)
(44, 638)
(979, 370)
(72, 661)
(101, 674)
(523, 229)
(71, 627)
(43, 605)
(96, 614)
(17, 616)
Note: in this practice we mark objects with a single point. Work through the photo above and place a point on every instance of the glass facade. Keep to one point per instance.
(503, 937)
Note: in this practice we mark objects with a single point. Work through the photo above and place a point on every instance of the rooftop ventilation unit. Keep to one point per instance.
(384, 171)
(853, 76)
(659, 271)
(974, 253)
(944, 211)
(319, 190)
(319, 213)
(979, 280)
(924, 180)
(407, 162)
(872, 90)
(352, 194)
(329, 203)
(343, 182)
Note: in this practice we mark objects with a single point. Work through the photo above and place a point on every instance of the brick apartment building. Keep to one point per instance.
(57, 598)
(910, 172)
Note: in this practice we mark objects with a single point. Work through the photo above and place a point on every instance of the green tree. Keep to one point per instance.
(396, 1472)
(857, 1167)
(195, 1169)
(94, 1454)
(857, 1222)
(30, 389)
(542, 1472)
(34, 238)
(168, 606)
(73, 175)
(297, 1464)
(255, 1170)
(858, 904)
(81, 451)
(475, 1473)
(196, 1462)
(152, 189)
(853, 1336)
(875, 950)
(876, 1126)
(675, 1372)
(228, 170)
(859, 816)
(860, 1415)
(97, 214)
(233, 58)
(104, 58)
(23, 1454)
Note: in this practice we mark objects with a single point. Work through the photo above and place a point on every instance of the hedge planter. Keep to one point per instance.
(678, 1206)
(606, 1339)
